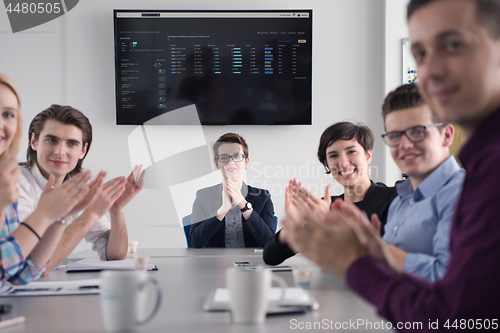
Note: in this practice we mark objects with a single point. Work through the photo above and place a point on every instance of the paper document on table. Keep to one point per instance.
(292, 295)
(218, 300)
(50, 288)
(10, 321)
(97, 265)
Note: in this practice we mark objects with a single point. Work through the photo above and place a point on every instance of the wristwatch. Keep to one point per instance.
(248, 206)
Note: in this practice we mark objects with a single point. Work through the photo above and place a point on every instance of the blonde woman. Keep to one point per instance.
(26, 246)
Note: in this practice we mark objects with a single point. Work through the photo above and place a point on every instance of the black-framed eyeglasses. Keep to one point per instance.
(225, 158)
(414, 134)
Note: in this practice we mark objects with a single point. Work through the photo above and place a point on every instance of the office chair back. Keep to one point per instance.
(186, 222)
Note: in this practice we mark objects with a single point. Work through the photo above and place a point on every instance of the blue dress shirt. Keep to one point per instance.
(419, 221)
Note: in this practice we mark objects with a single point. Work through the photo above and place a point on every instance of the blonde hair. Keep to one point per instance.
(16, 142)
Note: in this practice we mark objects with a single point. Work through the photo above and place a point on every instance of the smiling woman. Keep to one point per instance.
(345, 150)
(11, 118)
(26, 247)
(231, 214)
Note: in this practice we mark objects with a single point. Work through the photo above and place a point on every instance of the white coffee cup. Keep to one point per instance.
(123, 295)
(302, 276)
(248, 290)
(141, 262)
(132, 246)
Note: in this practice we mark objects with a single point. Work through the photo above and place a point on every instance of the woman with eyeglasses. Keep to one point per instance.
(345, 150)
(231, 214)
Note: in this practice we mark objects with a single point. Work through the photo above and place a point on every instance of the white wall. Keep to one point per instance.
(71, 61)
(395, 30)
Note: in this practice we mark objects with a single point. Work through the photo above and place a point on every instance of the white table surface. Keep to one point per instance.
(186, 277)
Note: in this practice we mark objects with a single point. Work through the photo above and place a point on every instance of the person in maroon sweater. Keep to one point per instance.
(456, 44)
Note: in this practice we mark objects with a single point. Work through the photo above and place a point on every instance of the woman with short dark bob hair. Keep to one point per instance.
(232, 213)
(345, 150)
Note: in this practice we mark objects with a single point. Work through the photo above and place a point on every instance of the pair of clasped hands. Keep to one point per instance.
(333, 235)
(231, 195)
(73, 195)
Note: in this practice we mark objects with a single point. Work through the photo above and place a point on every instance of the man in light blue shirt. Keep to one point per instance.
(419, 218)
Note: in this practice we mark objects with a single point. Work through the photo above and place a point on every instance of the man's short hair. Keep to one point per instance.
(488, 13)
(405, 97)
(344, 131)
(229, 138)
(66, 115)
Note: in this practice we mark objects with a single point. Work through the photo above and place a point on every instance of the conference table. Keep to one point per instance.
(186, 277)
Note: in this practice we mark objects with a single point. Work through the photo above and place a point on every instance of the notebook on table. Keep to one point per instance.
(95, 265)
(52, 288)
(218, 299)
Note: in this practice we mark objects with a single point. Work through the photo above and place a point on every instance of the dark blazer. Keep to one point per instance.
(207, 231)
(377, 200)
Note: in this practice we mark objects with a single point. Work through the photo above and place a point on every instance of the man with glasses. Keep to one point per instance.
(419, 219)
(456, 45)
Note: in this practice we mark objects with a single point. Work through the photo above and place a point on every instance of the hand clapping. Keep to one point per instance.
(333, 238)
(324, 237)
(301, 194)
(60, 201)
(132, 186)
(9, 180)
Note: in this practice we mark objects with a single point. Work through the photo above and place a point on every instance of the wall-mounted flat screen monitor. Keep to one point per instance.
(249, 67)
